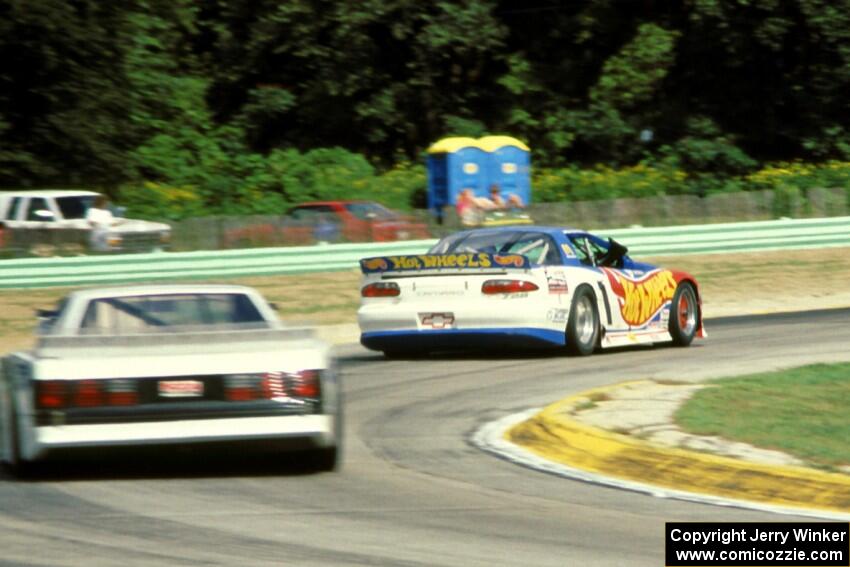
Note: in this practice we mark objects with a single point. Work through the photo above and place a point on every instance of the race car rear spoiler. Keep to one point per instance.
(453, 262)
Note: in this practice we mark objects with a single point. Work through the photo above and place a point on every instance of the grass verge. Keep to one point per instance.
(801, 411)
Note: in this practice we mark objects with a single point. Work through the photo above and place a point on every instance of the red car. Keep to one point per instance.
(360, 221)
(332, 221)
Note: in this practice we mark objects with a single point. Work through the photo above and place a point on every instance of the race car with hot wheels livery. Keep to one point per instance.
(524, 286)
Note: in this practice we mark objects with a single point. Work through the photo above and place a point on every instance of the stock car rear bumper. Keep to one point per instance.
(451, 324)
(315, 430)
(453, 339)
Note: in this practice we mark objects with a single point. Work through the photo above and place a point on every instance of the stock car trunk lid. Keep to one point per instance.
(444, 278)
(177, 353)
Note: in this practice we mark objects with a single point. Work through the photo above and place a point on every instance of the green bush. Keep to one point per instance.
(603, 182)
(787, 200)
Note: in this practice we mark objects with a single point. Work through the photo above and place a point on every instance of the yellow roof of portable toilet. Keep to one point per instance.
(487, 143)
(493, 143)
(451, 145)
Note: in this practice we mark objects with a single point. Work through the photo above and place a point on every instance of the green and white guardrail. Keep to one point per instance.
(692, 239)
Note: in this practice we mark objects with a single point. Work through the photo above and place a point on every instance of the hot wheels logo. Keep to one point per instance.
(374, 264)
(510, 260)
(641, 299)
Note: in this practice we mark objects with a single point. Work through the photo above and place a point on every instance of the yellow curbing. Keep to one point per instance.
(553, 435)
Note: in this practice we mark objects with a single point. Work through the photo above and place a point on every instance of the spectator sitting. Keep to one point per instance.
(497, 203)
(468, 208)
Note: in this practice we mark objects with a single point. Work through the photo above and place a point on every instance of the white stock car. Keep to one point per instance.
(169, 365)
(523, 286)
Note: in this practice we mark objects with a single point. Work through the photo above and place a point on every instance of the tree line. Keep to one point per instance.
(247, 105)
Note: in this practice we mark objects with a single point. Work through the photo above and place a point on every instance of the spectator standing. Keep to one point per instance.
(100, 219)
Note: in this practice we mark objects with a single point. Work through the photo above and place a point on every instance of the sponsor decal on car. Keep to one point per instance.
(640, 299)
(374, 264)
(511, 260)
(556, 281)
(557, 315)
(439, 261)
(568, 251)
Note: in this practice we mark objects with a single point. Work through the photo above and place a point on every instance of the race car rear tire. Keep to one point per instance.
(583, 325)
(684, 315)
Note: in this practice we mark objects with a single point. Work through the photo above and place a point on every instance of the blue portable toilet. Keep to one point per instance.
(509, 166)
(455, 164)
(459, 163)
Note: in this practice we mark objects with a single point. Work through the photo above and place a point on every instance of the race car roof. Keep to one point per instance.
(550, 230)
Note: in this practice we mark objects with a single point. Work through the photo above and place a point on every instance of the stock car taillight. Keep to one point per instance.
(305, 384)
(51, 394)
(121, 393)
(272, 386)
(88, 394)
(492, 287)
(380, 289)
(61, 394)
(242, 387)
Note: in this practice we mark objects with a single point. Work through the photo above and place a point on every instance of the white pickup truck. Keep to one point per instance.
(58, 218)
(169, 365)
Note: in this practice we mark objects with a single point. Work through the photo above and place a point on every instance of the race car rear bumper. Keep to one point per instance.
(453, 339)
(313, 430)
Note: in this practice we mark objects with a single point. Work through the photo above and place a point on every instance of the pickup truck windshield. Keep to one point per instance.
(74, 207)
(148, 313)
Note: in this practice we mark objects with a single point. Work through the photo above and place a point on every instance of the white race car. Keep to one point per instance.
(168, 365)
(523, 286)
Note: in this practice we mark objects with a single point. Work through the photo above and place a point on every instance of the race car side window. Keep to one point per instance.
(581, 245)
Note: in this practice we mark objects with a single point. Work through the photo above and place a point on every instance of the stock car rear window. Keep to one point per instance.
(538, 247)
(149, 313)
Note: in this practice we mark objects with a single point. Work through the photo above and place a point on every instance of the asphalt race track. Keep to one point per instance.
(412, 492)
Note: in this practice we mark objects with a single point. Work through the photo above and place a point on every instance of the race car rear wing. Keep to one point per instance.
(476, 261)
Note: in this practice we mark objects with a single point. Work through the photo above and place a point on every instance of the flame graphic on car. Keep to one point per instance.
(641, 299)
